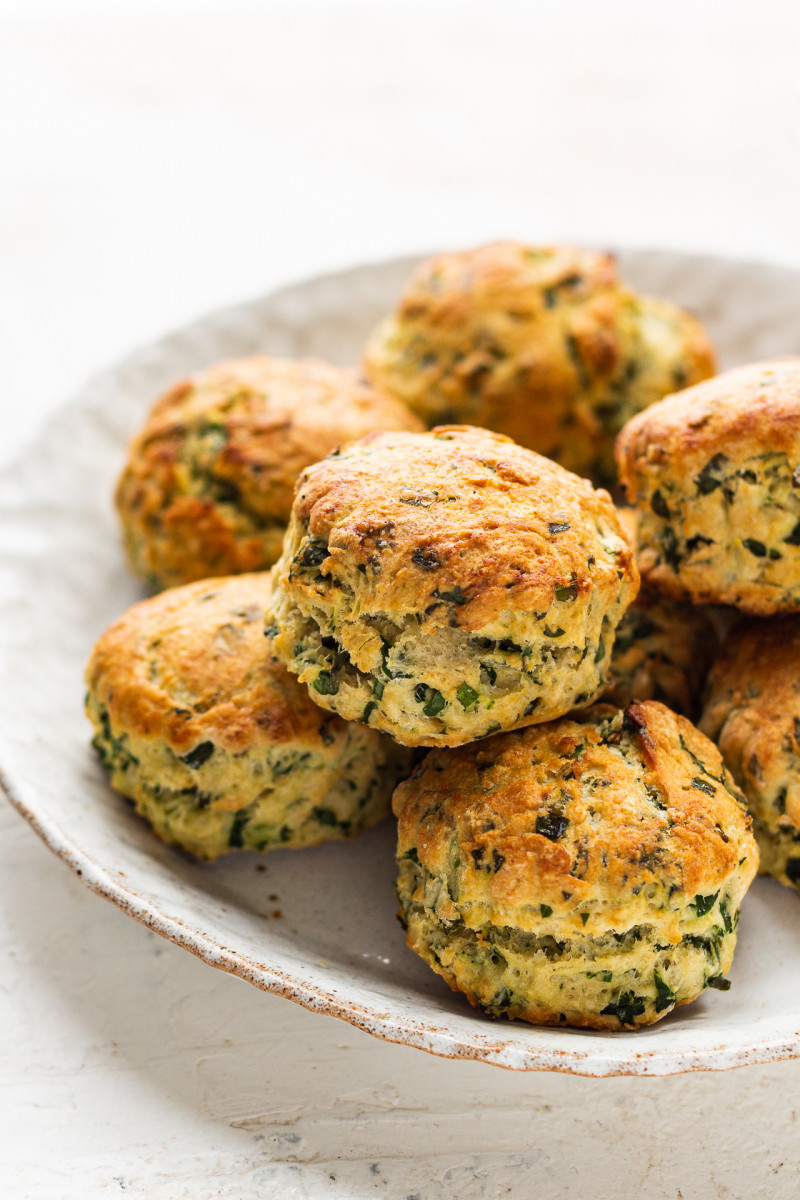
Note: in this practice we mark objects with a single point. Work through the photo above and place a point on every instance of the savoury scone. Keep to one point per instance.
(542, 343)
(752, 712)
(585, 872)
(445, 585)
(714, 473)
(662, 651)
(214, 742)
(207, 488)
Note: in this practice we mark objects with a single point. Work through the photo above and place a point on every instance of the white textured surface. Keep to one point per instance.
(132, 1069)
(154, 167)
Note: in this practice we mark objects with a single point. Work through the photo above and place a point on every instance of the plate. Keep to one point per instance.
(317, 926)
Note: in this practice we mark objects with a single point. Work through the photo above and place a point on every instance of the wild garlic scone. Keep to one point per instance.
(662, 651)
(214, 742)
(543, 343)
(714, 473)
(752, 712)
(585, 872)
(442, 586)
(207, 488)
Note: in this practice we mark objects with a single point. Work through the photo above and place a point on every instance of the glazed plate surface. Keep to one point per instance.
(335, 946)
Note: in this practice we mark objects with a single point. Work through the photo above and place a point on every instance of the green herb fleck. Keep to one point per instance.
(427, 559)
(453, 596)
(708, 479)
(326, 684)
(551, 825)
(431, 700)
(313, 553)
(467, 695)
(665, 996)
(324, 816)
(794, 537)
(695, 543)
(236, 835)
(704, 904)
(720, 983)
(659, 505)
(793, 870)
(669, 545)
(201, 753)
(626, 1008)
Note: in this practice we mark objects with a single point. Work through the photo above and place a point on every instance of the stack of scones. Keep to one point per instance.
(463, 627)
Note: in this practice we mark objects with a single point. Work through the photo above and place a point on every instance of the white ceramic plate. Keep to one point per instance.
(336, 947)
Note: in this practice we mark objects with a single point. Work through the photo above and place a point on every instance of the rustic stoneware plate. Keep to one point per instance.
(335, 946)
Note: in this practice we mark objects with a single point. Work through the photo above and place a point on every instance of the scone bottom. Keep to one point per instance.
(588, 872)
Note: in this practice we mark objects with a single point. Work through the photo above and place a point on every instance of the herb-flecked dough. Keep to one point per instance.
(543, 343)
(207, 487)
(714, 474)
(216, 745)
(752, 711)
(662, 650)
(585, 872)
(446, 585)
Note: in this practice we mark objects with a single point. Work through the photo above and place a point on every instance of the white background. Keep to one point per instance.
(161, 159)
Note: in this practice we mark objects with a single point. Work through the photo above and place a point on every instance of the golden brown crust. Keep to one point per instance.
(442, 586)
(544, 344)
(217, 747)
(490, 795)
(192, 665)
(714, 472)
(627, 520)
(207, 489)
(741, 412)
(459, 509)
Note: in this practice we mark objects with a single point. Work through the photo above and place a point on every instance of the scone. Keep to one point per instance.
(752, 712)
(207, 488)
(542, 343)
(662, 651)
(585, 872)
(214, 742)
(446, 585)
(714, 473)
